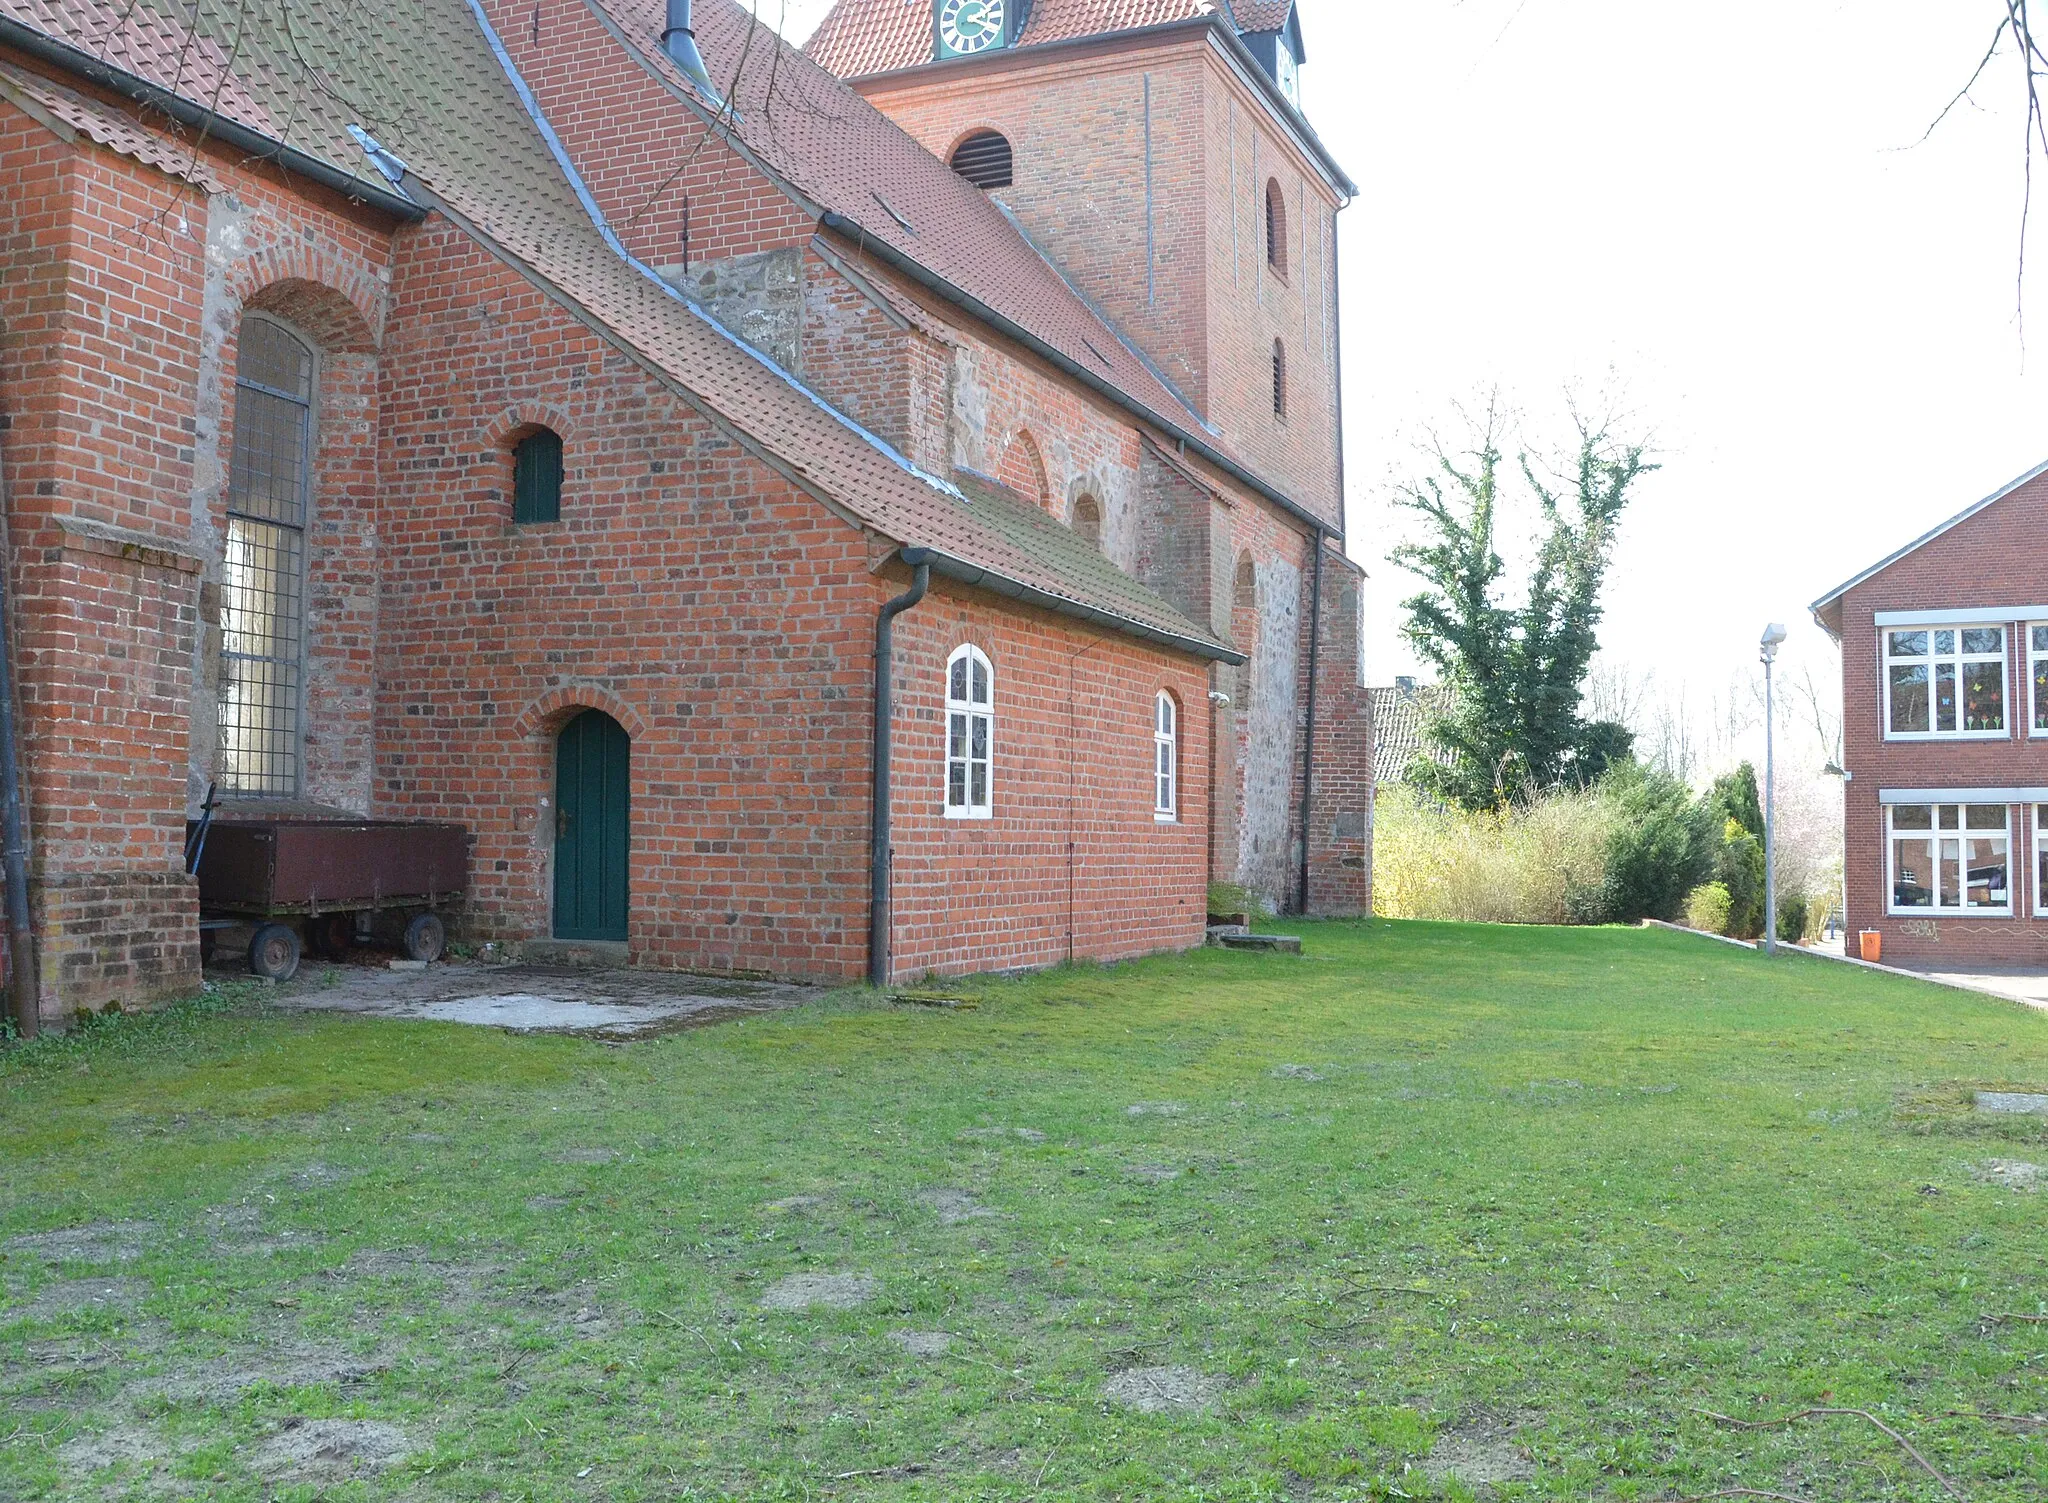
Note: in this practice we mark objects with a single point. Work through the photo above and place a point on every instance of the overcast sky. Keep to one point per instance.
(1723, 211)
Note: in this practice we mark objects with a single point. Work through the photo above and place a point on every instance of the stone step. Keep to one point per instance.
(1280, 944)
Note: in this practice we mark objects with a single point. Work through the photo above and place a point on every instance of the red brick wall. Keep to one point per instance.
(1989, 561)
(1072, 864)
(1212, 309)
(99, 314)
(640, 151)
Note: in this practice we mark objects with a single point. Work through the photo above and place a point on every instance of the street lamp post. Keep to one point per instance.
(1773, 635)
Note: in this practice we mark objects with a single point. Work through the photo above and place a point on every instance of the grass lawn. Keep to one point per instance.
(1216, 1226)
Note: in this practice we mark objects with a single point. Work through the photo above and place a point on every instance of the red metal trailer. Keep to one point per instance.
(325, 878)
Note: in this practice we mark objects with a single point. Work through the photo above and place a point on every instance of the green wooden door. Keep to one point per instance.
(593, 759)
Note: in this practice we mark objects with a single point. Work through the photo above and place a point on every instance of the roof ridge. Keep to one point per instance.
(597, 218)
(1925, 538)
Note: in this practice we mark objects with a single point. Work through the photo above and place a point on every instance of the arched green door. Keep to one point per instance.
(593, 761)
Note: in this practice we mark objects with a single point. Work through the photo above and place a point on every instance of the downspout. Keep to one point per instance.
(24, 992)
(879, 915)
(1308, 746)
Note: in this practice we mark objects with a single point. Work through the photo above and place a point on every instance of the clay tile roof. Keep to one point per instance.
(1399, 714)
(1261, 15)
(422, 78)
(848, 157)
(97, 123)
(877, 36)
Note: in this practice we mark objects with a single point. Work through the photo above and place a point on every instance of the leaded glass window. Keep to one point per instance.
(263, 571)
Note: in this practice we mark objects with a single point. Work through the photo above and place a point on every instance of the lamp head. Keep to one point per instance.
(1773, 635)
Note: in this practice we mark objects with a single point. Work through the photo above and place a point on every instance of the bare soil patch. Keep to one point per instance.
(1163, 1390)
(2013, 1174)
(827, 1291)
(1480, 1453)
(923, 1343)
(330, 1450)
(1155, 1109)
(66, 1296)
(956, 1206)
(94, 1242)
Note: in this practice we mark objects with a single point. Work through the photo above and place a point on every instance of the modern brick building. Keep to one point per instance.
(1945, 736)
(502, 413)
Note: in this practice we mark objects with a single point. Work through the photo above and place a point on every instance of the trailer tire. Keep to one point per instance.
(274, 952)
(333, 934)
(426, 937)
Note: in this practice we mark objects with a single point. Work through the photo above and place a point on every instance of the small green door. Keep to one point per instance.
(593, 758)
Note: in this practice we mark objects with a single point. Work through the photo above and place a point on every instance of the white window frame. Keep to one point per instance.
(1165, 758)
(1932, 838)
(1956, 658)
(2040, 848)
(968, 712)
(2034, 657)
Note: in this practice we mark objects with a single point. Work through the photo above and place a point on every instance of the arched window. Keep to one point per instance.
(537, 477)
(970, 734)
(985, 160)
(1276, 227)
(1088, 519)
(1279, 379)
(1165, 758)
(263, 568)
(1247, 580)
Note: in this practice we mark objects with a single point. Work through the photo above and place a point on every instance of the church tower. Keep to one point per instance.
(1158, 153)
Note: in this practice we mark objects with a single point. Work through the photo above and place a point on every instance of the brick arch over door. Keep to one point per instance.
(556, 708)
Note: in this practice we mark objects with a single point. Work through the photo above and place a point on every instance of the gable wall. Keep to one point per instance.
(1078, 131)
(687, 590)
(1995, 558)
(642, 152)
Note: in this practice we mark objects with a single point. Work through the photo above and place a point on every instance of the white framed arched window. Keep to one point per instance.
(1165, 758)
(970, 734)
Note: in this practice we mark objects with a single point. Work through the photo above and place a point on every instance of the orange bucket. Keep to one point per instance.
(1871, 943)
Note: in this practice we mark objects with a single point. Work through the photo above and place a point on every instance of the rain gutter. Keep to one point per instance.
(209, 123)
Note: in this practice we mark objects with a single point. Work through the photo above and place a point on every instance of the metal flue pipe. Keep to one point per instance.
(680, 43)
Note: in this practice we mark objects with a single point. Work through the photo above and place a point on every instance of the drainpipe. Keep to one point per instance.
(24, 993)
(879, 916)
(1308, 748)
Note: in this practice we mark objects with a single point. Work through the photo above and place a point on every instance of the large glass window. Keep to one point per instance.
(1165, 758)
(2037, 674)
(2041, 859)
(970, 733)
(263, 570)
(1953, 858)
(1944, 681)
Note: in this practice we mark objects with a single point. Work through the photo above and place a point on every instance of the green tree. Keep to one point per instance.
(1735, 795)
(1516, 674)
(1662, 847)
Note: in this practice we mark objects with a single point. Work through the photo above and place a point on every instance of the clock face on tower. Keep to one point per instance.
(970, 26)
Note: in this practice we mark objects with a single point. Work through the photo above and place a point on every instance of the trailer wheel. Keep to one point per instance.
(425, 937)
(274, 952)
(333, 934)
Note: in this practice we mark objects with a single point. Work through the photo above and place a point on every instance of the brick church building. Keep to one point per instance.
(565, 418)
